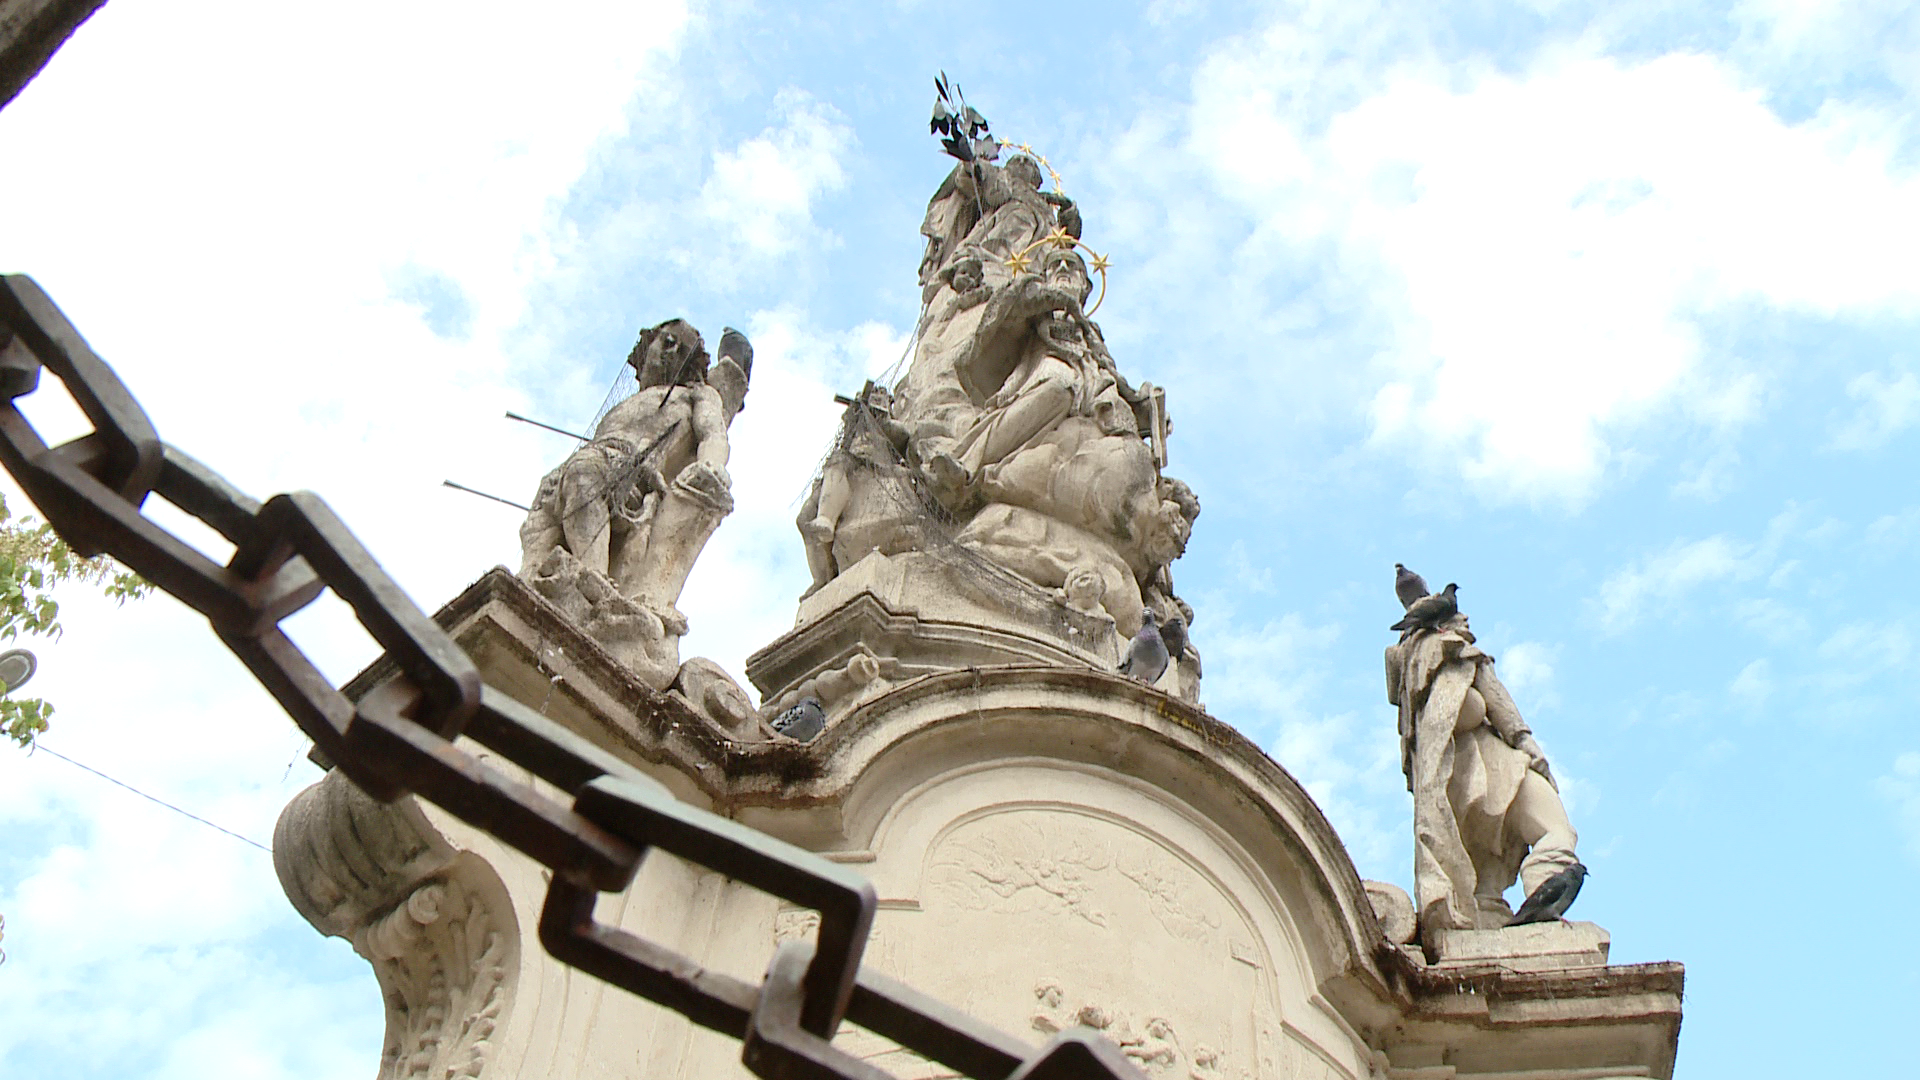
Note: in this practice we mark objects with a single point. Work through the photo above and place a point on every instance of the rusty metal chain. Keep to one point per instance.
(400, 739)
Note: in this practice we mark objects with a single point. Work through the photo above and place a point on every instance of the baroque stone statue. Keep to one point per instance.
(615, 529)
(1015, 417)
(1486, 808)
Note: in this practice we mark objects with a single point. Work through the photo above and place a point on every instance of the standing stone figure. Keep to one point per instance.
(615, 530)
(1485, 806)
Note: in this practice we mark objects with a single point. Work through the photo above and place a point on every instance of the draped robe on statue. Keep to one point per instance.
(1459, 729)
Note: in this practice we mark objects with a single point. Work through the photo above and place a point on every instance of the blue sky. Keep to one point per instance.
(1606, 312)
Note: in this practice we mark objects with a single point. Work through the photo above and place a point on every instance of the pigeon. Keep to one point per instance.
(1174, 633)
(735, 346)
(1179, 645)
(1147, 655)
(1407, 584)
(1429, 612)
(1552, 899)
(803, 721)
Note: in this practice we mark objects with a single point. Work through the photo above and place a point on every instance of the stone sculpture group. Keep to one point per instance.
(1013, 439)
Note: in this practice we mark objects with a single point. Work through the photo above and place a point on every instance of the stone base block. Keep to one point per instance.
(1549, 946)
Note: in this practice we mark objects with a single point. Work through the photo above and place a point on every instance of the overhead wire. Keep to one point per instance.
(41, 748)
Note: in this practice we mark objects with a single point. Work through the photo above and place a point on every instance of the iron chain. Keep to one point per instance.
(401, 738)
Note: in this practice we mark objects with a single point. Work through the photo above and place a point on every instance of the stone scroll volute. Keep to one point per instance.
(436, 925)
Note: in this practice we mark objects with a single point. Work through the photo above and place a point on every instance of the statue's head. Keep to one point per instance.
(966, 273)
(1165, 532)
(669, 353)
(1176, 490)
(1084, 587)
(1024, 170)
(1064, 268)
(1457, 625)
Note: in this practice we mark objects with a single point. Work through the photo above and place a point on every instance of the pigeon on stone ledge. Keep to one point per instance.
(735, 346)
(803, 721)
(1147, 655)
(1552, 899)
(1174, 633)
(1429, 612)
(1408, 585)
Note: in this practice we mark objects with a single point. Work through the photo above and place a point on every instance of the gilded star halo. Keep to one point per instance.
(1021, 261)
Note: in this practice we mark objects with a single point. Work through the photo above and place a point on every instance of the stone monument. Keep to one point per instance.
(1006, 501)
(1053, 844)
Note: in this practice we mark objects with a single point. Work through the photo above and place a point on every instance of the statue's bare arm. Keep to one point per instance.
(1505, 718)
(709, 428)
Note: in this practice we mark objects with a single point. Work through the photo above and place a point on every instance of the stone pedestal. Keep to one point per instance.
(1052, 846)
(916, 613)
(1544, 946)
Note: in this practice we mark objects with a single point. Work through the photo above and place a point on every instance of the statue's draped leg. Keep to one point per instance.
(656, 572)
(1539, 819)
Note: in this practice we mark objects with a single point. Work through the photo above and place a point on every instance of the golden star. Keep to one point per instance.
(1059, 238)
(1100, 264)
(1019, 262)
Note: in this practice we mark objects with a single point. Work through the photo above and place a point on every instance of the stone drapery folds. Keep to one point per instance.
(1485, 808)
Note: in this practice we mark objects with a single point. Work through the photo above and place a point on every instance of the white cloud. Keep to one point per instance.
(1893, 534)
(1754, 684)
(1526, 669)
(760, 194)
(1887, 405)
(1269, 681)
(1858, 649)
(1658, 581)
(1538, 246)
(1901, 789)
(308, 247)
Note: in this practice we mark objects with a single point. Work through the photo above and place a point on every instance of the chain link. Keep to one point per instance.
(400, 739)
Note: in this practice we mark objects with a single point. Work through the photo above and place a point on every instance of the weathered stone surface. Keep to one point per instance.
(1394, 908)
(31, 31)
(1534, 947)
(1053, 845)
(436, 924)
(1012, 447)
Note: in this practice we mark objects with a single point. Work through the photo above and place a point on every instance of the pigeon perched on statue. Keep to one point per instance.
(1408, 585)
(803, 721)
(1552, 899)
(1174, 633)
(734, 346)
(1147, 654)
(1428, 612)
